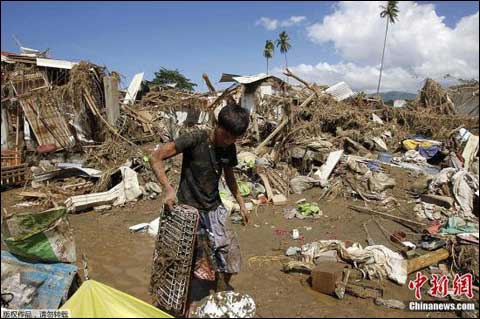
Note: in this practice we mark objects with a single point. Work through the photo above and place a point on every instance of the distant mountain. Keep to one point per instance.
(396, 95)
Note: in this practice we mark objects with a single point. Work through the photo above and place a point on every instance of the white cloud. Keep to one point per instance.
(293, 20)
(272, 24)
(419, 45)
(267, 23)
(361, 78)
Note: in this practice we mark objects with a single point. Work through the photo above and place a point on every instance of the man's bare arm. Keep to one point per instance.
(165, 151)
(232, 185)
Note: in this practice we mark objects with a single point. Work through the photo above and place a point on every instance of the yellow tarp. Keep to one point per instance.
(412, 144)
(96, 300)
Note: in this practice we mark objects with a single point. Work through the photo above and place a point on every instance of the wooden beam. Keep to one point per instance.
(209, 84)
(289, 73)
(428, 259)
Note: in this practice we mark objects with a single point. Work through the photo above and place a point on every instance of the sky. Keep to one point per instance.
(331, 41)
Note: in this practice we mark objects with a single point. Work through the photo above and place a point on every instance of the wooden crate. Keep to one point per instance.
(14, 175)
(11, 158)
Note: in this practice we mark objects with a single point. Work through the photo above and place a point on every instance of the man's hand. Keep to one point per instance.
(156, 162)
(170, 198)
(244, 213)
(232, 185)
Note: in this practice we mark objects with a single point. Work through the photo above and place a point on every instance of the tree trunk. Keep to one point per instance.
(383, 54)
(267, 66)
(286, 66)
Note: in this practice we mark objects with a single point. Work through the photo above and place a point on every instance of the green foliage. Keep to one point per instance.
(390, 11)
(308, 209)
(268, 50)
(165, 76)
(244, 188)
(283, 42)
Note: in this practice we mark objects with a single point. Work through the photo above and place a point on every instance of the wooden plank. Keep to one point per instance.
(266, 183)
(33, 194)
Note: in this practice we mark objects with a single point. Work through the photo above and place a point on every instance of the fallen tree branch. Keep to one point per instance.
(289, 73)
(93, 108)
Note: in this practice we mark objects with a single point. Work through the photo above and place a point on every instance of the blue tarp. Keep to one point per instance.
(429, 152)
(35, 285)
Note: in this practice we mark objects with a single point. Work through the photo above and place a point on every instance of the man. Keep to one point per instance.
(205, 155)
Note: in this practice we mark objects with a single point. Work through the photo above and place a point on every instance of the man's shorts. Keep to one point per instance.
(217, 248)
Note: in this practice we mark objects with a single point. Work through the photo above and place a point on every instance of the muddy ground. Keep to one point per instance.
(122, 259)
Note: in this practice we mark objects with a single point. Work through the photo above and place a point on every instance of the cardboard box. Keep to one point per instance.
(326, 276)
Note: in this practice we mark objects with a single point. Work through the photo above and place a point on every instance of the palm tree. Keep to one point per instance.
(268, 51)
(283, 42)
(391, 13)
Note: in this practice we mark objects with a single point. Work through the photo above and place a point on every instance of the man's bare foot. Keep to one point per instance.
(223, 282)
(190, 310)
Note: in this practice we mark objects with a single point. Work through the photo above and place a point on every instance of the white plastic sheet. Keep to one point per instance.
(377, 261)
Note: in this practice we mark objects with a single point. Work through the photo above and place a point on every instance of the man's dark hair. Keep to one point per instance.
(234, 119)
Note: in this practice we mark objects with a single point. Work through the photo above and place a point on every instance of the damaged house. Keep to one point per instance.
(48, 105)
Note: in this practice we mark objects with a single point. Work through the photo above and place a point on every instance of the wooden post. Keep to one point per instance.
(18, 128)
(112, 101)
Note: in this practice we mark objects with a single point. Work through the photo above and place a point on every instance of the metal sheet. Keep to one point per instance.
(59, 64)
(133, 88)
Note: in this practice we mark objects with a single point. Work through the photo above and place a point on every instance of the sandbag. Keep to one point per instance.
(378, 182)
(299, 184)
(44, 236)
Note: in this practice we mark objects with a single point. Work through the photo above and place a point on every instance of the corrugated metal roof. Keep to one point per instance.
(340, 91)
